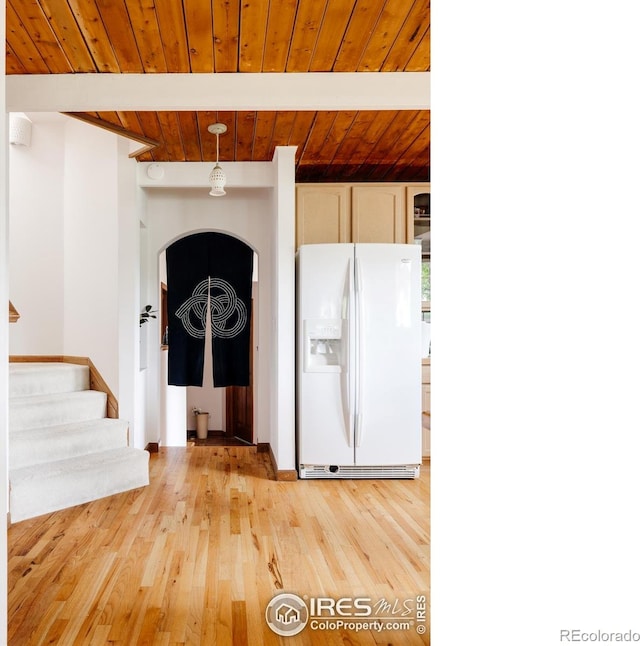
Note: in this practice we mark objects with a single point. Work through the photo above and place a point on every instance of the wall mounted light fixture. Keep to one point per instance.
(217, 178)
(19, 129)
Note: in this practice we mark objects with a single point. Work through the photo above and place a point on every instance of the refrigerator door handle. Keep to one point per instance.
(359, 433)
(346, 381)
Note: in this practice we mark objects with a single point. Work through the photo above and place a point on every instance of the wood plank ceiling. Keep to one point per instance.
(230, 36)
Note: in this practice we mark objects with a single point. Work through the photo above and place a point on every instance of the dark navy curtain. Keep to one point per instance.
(209, 272)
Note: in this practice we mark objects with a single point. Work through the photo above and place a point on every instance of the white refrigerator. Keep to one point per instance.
(358, 408)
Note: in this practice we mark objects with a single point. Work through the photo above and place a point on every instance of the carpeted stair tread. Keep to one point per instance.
(41, 378)
(35, 411)
(43, 488)
(39, 445)
(63, 450)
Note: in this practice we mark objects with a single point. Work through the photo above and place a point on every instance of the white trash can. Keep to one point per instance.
(202, 425)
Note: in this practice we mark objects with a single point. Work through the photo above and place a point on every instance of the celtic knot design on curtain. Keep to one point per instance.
(228, 313)
(209, 276)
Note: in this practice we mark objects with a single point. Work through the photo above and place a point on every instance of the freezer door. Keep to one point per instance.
(388, 351)
(325, 380)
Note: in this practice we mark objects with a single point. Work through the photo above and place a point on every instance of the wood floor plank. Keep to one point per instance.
(239, 623)
(76, 608)
(99, 636)
(195, 557)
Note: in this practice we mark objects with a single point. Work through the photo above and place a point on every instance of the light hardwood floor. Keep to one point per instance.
(195, 557)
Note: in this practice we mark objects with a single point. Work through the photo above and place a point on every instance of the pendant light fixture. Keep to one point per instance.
(217, 178)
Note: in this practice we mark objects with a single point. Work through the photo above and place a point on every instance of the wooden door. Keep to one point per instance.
(240, 412)
(239, 403)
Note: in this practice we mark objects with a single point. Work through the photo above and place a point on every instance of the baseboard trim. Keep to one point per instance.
(289, 475)
(282, 475)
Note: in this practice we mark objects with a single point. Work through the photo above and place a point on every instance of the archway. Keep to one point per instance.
(231, 407)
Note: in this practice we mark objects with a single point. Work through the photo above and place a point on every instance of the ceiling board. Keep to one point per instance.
(229, 36)
(253, 19)
(23, 48)
(190, 135)
(226, 35)
(409, 40)
(199, 31)
(278, 36)
(144, 22)
(177, 51)
(107, 35)
(305, 35)
(359, 31)
(245, 129)
(334, 25)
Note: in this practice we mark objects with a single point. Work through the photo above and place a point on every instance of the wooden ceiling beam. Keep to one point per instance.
(276, 91)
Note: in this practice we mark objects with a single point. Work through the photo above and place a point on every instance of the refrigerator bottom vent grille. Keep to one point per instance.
(407, 471)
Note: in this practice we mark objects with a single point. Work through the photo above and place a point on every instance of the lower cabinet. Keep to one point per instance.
(426, 408)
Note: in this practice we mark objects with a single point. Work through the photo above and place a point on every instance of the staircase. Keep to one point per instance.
(63, 450)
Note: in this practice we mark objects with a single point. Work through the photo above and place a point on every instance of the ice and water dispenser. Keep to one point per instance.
(324, 346)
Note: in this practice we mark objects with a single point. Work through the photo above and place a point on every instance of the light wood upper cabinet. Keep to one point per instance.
(415, 216)
(354, 213)
(378, 214)
(322, 214)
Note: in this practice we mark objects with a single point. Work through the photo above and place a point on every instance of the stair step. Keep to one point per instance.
(63, 451)
(44, 488)
(36, 411)
(41, 378)
(50, 443)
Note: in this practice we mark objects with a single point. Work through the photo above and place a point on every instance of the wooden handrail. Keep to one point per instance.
(147, 144)
(13, 313)
(96, 382)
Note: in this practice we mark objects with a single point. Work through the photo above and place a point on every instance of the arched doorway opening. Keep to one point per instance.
(230, 408)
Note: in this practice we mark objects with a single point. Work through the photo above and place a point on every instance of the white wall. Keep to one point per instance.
(172, 213)
(265, 219)
(4, 337)
(93, 256)
(128, 290)
(140, 372)
(283, 295)
(74, 254)
(36, 255)
(91, 248)
(173, 405)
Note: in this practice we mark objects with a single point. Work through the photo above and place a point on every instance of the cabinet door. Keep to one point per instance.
(415, 208)
(378, 214)
(322, 214)
(426, 409)
(426, 437)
